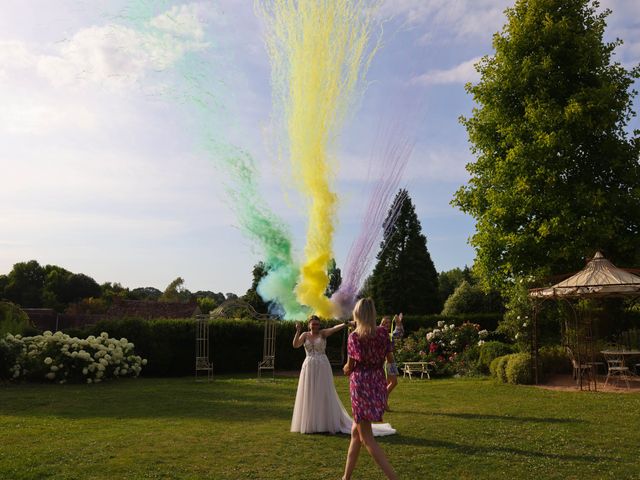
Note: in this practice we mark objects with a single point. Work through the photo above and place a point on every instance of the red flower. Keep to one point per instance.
(433, 347)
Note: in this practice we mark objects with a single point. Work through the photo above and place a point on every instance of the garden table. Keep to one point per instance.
(624, 355)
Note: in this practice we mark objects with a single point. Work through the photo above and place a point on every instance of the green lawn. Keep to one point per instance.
(238, 428)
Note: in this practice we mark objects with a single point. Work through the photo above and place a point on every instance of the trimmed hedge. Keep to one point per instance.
(518, 369)
(497, 368)
(236, 345)
(490, 351)
(514, 368)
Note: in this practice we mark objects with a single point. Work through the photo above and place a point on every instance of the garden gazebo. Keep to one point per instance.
(599, 279)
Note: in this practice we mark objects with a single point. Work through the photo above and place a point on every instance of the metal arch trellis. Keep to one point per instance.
(203, 363)
(577, 336)
(236, 308)
(268, 361)
(241, 309)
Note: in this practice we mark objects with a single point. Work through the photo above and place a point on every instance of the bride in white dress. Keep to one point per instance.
(318, 408)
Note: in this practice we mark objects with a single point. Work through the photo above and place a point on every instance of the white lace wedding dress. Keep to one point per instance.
(318, 408)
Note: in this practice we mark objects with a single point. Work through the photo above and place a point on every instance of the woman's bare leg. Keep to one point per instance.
(353, 452)
(374, 450)
(392, 381)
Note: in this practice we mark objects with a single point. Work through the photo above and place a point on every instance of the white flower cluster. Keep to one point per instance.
(59, 357)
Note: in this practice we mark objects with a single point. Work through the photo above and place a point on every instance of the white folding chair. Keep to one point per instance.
(616, 369)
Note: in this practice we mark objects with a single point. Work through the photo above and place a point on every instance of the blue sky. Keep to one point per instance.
(102, 175)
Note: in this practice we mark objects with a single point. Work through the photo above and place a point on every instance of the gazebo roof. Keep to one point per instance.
(600, 278)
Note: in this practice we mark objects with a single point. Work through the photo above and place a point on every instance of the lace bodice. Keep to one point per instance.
(315, 347)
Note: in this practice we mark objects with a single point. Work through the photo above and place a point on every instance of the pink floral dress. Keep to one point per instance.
(367, 383)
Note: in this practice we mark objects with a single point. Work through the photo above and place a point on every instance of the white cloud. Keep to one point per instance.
(112, 55)
(44, 114)
(181, 20)
(459, 19)
(14, 55)
(37, 222)
(51, 176)
(439, 164)
(462, 73)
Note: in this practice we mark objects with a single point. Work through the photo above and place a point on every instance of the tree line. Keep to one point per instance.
(403, 280)
(32, 285)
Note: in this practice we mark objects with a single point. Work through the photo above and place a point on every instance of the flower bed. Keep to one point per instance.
(453, 349)
(60, 358)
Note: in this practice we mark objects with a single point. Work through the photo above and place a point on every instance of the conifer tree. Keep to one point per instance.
(404, 278)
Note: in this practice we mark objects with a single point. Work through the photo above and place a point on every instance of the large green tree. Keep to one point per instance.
(405, 279)
(62, 287)
(25, 283)
(556, 174)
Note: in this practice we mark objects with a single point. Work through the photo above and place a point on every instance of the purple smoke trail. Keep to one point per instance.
(391, 162)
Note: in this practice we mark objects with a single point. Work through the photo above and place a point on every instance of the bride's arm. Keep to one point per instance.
(330, 331)
(298, 338)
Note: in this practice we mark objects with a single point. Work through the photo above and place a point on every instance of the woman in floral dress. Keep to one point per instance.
(367, 348)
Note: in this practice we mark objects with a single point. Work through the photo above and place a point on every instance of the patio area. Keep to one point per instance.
(567, 383)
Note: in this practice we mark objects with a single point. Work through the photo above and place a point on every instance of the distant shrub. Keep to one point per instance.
(12, 319)
(490, 351)
(469, 298)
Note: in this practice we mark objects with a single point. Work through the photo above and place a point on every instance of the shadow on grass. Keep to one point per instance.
(477, 416)
(465, 449)
(129, 399)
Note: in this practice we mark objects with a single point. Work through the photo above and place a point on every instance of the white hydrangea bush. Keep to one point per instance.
(57, 357)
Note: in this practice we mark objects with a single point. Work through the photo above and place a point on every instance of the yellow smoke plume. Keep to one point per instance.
(319, 51)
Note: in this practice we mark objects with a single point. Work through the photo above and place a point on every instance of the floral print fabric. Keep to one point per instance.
(367, 383)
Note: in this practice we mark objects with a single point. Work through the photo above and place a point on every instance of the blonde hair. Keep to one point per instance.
(364, 314)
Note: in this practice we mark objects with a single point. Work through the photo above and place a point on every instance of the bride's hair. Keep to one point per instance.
(364, 313)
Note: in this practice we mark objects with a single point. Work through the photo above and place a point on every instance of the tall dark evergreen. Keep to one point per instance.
(405, 279)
